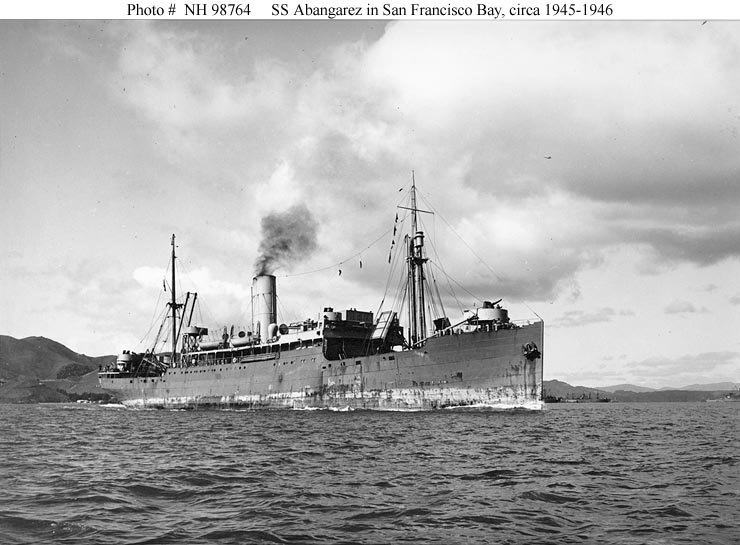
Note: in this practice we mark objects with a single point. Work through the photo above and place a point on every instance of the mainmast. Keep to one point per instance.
(416, 261)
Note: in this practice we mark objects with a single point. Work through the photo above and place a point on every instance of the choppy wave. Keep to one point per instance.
(602, 473)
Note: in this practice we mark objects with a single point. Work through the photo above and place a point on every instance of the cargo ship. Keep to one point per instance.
(401, 359)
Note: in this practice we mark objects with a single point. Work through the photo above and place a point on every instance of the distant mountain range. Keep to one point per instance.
(626, 387)
(37, 369)
(556, 390)
(713, 387)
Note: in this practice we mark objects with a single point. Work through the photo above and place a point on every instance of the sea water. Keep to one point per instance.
(577, 473)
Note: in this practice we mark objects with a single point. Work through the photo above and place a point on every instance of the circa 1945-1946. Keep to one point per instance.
(450, 10)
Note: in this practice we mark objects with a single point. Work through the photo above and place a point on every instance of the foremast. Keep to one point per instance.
(416, 260)
(173, 305)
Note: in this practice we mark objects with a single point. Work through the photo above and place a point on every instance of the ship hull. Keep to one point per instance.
(480, 369)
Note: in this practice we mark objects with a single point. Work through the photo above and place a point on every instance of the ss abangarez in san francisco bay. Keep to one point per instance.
(402, 359)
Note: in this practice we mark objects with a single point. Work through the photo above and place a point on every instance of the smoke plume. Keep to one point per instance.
(286, 237)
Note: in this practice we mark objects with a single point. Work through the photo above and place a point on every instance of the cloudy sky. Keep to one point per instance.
(585, 172)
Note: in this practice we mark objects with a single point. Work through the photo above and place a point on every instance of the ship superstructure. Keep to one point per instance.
(340, 359)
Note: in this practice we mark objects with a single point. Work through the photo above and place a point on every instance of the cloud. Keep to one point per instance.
(150, 277)
(175, 79)
(578, 318)
(218, 303)
(681, 370)
(632, 144)
(683, 307)
(592, 378)
(637, 131)
(659, 371)
(704, 245)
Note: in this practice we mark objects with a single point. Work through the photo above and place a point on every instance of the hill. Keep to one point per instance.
(42, 358)
(39, 370)
(559, 390)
